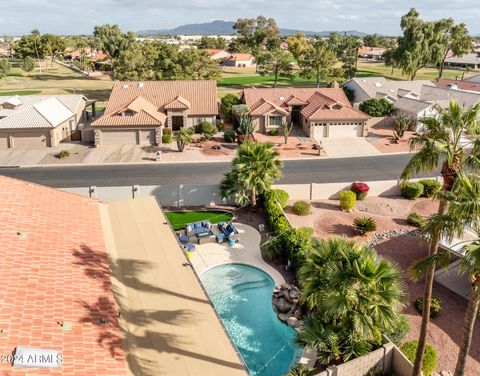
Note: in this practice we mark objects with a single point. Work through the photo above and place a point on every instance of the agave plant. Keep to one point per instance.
(363, 225)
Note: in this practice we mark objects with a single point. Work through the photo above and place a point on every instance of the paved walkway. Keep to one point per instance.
(247, 251)
(168, 324)
(349, 147)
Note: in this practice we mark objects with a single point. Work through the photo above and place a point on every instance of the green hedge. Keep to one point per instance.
(229, 136)
(430, 187)
(411, 190)
(429, 363)
(435, 306)
(416, 220)
(282, 197)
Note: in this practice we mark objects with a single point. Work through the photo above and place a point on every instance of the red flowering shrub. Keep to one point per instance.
(360, 189)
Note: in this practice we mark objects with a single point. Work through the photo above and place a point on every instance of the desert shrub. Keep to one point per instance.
(430, 187)
(429, 363)
(416, 220)
(435, 307)
(363, 225)
(63, 154)
(348, 200)
(205, 128)
(229, 136)
(300, 370)
(377, 107)
(301, 208)
(360, 189)
(412, 190)
(401, 330)
(281, 196)
(166, 138)
(273, 132)
(309, 231)
(167, 131)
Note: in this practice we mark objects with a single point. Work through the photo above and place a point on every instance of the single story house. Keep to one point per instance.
(470, 61)
(379, 87)
(217, 55)
(475, 78)
(239, 60)
(38, 121)
(414, 109)
(137, 112)
(320, 113)
(374, 53)
(442, 96)
(464, 85)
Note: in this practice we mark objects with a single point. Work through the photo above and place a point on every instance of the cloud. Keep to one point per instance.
(79, 17)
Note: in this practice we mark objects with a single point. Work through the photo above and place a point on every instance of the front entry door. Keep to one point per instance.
(177, 122)
(296, 115)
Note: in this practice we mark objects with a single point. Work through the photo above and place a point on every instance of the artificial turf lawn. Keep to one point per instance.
(178, 219)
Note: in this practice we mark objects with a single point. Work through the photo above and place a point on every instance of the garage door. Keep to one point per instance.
(31, 140)
(119, 137)
(345, 130)
(3, 141)
(147, 137)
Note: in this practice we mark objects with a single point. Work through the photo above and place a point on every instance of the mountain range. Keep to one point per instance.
(219, 27)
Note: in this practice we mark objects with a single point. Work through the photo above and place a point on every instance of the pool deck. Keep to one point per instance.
(246, 251)
(168, 324)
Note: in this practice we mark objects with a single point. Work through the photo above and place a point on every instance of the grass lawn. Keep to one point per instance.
(178, 219)
(54, 80)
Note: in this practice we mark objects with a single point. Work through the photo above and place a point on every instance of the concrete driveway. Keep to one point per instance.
(349, 147)
(28, 157)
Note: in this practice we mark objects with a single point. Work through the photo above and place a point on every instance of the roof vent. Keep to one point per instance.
(125, 86)
(22, 235)
(377, 84)
(141, 84)
(281, 98)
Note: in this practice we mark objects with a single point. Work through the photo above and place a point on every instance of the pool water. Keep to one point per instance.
(242, 297)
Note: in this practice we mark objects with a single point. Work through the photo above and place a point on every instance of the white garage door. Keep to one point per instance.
(31, 140)
(3, 141)
(342, 130)
(119, 137)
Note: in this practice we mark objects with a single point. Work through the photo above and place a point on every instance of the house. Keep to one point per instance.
(137, 112)
(320, 113)
(468, 61)
(373, 53)
(239, 60)
(443, 96)
(379, 87)
(464, 85)
(218, 55)
(414, 109)
(51, 241)
(38, 121)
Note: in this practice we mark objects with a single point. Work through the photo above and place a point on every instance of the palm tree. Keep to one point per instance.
(463, 212)
(354, 297)
(36, 39)
(254, 170)
(183, 137)
(441, 143)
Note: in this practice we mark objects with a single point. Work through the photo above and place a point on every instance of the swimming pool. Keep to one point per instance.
(242, 297)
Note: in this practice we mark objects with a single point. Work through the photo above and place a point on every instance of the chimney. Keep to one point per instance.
(335, 85)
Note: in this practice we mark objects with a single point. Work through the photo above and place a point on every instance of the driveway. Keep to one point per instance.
(348, 147)
(28, 157)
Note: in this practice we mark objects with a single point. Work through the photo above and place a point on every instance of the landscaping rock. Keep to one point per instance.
(283, 305)
(285, 301)
(284, 286)
(298, 314)
(286, 296)
(292, 322)
(283, 317)
(294, 294)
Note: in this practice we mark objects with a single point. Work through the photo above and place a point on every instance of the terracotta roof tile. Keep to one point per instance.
(240, 56)
(201, 96)
(50, 240)
(462, 85)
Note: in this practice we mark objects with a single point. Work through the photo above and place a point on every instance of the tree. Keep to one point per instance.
(53, 45)
(297, 44)
(353, 297)
(377, 107)
(390, 58)
(439, 144)
(463, 212)
(5, 67)
(197, 65)
(256, 33)
(130, 65)
(375, 40)
(227, 102)
(454, 39)
(254, 169)
(318, 61)
(400, 125)
(276, 63)
(287, 127)
(36, 43)
(207, 42)
(183, 137)
(28, 64)
(112, 41)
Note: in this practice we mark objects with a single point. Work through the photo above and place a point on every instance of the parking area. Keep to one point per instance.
(348, 147)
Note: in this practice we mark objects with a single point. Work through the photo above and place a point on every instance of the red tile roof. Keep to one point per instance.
(54, 269)
(462, 85)
(240, 57)
(321, 103)
(199, 96)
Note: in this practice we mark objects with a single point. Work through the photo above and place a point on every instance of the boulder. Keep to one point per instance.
(298, 314)
(293, 322)
(284, 286)
(283, 305)
(286, 296)
(283, 317)
(294, 294)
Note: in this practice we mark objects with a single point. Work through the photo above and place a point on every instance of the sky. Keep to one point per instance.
(68, 17)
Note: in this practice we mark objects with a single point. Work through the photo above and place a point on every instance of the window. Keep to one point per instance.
(275, 120)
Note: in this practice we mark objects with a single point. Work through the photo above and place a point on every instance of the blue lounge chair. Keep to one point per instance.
(228, 230)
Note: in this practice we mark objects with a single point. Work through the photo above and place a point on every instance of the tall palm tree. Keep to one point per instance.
(463, 212)
(254, 170)
(441, 143)
(36, 40)
(354, 296)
